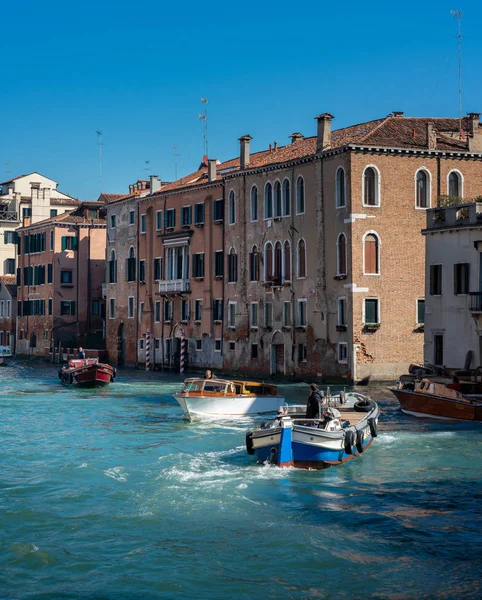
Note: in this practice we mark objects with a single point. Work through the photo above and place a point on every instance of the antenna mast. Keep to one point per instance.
(204, 118)
(458, 15)
(175, 155)
(99, 133)
(148, 162)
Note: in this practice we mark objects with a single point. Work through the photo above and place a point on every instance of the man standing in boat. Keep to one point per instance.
(81, 353)
(315, 402)
(209, 375)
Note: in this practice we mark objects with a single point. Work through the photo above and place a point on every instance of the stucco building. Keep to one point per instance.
(8, 311)
(25, 200)
(60, 272)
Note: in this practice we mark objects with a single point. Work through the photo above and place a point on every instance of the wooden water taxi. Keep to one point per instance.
(87, 372)
(346, 430)
(435, 400)
(225, 398)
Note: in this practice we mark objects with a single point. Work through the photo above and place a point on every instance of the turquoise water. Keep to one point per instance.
(111, 494)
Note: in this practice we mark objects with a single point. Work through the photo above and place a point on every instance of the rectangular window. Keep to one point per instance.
(218, 263)
(143, 223)
(167, 311)
(69, 242)
(53, 212)
(157, 269)
(218, 344)
(420, 311)
(254, 351)
(341, 312)
(67, 307)
(28, 276)
(268, 314)
(199, 345)
(198, 265)
(130, 307)
(157, 311)
(50, 273)
(26, 212)
(65, 277)
(159, 220)
(96, 308)
(232, 267)
(461, 278)
(112, 221)
(232, 315)
(184, 310)
(112, 308)
(51, 303)
(287, 314)
(342, 352)
(141, 311)
(232, 346)
(170, 218)
(254, 314)
(186, 216)
(438, 349)
(372, 311)
(218, 212)
(198, 307)
(2, 306)
(199, 214)
(302, 353)
(10, 266)
(302, 313)
(218, 309)
(132, 217)
(435, 280)
(52, 239)
(142, 271)
(141, 344)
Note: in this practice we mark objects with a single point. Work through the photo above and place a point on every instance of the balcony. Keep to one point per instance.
(8, 215)
(174, 286)
(475, 302)
(460, 215)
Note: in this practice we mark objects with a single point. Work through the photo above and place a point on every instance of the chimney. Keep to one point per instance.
(431, 137)
(397, 113)
(131, 189)
(275, 145)
(34, 192)
(475, 132)
(270, 147)
(155, 185)
(296, 136)
(244, 151)
(323, 139)
(212, 169)
(10, 191)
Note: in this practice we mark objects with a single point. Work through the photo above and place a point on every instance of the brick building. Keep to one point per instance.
(60, 272)
(8, 311)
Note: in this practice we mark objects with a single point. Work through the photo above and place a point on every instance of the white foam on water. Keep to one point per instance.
(117, 473)
(83, 465)
(242, 486)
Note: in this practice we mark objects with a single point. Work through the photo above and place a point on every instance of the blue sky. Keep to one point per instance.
(137, 71)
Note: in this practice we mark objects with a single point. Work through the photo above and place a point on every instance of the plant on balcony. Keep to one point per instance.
(445, 200)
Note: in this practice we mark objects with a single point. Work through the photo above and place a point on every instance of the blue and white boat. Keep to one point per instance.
(346, 430)
(5, 355)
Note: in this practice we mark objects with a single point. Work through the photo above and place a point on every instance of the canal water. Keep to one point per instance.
(111, 494)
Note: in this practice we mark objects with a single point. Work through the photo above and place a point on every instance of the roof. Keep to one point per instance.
(71, 217)
(10, 282)
(27, 175)
(108, 198)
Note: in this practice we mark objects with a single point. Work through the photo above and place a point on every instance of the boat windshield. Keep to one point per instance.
(192, 386)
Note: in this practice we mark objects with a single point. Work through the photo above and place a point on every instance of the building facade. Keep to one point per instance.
(26, 200)
(8, 311)
(60, 272)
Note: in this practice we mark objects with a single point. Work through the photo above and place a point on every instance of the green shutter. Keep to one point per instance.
(64, 242)
(75, 243)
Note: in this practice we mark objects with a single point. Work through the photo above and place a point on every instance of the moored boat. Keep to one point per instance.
(216, 398)
(88, 372)
(5, 355)
(426, 398)
(293, 440)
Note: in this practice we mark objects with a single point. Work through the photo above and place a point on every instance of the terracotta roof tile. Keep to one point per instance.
(10, 282)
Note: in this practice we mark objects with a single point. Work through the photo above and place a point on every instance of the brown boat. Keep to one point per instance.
(88, 372)
(435, 400)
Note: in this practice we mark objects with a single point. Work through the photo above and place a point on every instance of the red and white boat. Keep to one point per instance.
(88, 372)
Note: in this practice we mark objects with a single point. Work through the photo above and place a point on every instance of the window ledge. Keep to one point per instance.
(340, 276)
(232, 327)
(301, 328)
(215, 320)
(419, 328)
(66, 285)
(372, 325)
(286, 327)
(199, 224)
(341, 327)
(184, 226)
(217, 221)
(218, 277)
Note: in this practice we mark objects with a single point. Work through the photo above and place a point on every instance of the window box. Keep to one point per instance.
(286, 328)
(184, 226)
(287, 282)
(169, 229)
(341, 327)
(300, 328)
(340, 277)
(419, 328)
(371, 326)
(215, 321)
(218, 277)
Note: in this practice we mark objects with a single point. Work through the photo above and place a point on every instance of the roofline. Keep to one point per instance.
(26, 175)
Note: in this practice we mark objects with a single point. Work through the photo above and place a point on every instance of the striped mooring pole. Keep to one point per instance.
(183, 353)
(148, 350)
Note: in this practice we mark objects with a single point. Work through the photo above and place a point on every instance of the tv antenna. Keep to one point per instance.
(7, 170)
(175, 154)
(99, 133)
(204, 118)
(147, 168)
(458, 15)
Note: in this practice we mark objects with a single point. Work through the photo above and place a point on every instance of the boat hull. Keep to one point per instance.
(436, 407)
(224, 406)
(98, 375)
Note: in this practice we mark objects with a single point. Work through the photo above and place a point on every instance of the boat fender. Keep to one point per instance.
(373, 427)
(349, 441)
(359, 440)
(249, 443)
(365, 405)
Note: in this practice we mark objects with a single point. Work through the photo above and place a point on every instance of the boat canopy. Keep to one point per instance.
(224, 386)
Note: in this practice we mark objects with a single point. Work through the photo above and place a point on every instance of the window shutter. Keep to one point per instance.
(49, 273)
(457, 279)
(72, 308)
(64, 242)
(75, 243)
(19, 277)
(127, 269)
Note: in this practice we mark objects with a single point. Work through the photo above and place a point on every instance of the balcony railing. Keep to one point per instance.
(8, 215)
(475, 302)
(174, 286)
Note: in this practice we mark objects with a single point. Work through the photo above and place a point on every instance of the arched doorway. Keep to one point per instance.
(33, 342)
(278, 354)
(121, 345)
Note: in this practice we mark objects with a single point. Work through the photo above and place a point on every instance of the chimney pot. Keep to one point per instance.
(475, 132)
(296, 136)
(212, 162)
(323, 138)
(397, 113)
(270, 147)
(155, 184)
(244, 142)
(275, 145)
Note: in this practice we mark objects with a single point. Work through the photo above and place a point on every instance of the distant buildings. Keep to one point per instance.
(8, 311)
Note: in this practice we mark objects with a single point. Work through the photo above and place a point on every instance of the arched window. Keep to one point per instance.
(278, 263)
(286, 198)
(455, 187)
(287, 261)
(254, 203)
(340, 187)
(268, 262)
(370, 187)
(232, 266)
(422, 189)
(341, 254)
(268, 201)
(300, 195)
(301, 258)
(131, 265)
(277, 199)
(112, 268)
(232, 208)
(254, 264)
(371, 254)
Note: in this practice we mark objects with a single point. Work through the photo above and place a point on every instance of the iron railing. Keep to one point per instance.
(475, 301)
(174, 286)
